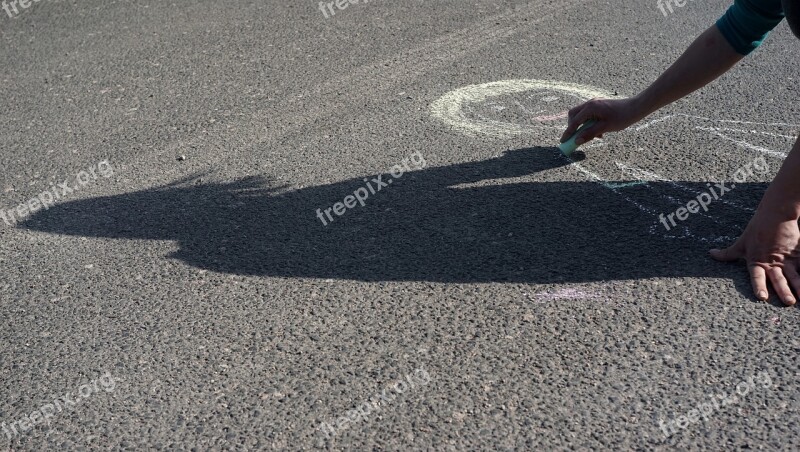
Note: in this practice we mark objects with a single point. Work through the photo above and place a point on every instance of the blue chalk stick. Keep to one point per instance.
(569, 146)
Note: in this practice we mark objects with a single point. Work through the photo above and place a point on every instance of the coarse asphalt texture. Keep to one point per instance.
(266, 229)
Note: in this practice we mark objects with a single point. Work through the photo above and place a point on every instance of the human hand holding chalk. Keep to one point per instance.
(594, 118)
(569, 146)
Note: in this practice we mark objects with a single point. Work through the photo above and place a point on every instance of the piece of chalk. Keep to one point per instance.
(569, 146)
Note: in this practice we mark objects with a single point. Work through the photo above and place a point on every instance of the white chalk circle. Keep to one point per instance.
(452, 107)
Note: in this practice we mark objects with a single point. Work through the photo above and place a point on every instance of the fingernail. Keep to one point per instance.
(790, 300)
(762, 296)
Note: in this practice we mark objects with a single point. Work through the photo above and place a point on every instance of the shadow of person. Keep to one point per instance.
(447, 224)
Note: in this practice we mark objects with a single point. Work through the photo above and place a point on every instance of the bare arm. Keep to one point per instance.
(783, 195)
(708, 57)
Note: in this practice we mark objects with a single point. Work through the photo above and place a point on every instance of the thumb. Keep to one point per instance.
(590, 133)
(729, 254)
(577, 116)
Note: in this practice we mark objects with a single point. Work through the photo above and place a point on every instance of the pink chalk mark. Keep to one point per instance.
(561, 115)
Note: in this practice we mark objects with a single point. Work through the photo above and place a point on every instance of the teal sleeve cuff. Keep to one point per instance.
(746, 24)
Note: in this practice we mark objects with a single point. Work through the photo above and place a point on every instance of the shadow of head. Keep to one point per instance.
(449, 224)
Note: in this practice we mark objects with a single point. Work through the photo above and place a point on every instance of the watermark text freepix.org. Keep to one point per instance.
(717, 401)
(327, 7)
(10, 6)
(68, 401)
(47, 198)
(420, 377)
(665, 5)
(718, 190)
(361, 194)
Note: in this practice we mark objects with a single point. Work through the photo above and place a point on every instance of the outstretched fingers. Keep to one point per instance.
(781, 285)
(758, 278)
(783, 278)
(730, 254)
(758, 275)
(792, 275)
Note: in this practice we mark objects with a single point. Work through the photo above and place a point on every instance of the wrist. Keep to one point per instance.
(778, 203)
(783, 194)
(642, 105)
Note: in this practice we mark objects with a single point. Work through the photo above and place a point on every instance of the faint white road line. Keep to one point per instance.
(752, 132)
(729, 121)
(746, 145)
(605, 183)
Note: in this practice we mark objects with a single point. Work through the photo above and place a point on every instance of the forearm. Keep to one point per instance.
(783, 195)
(708, 57)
